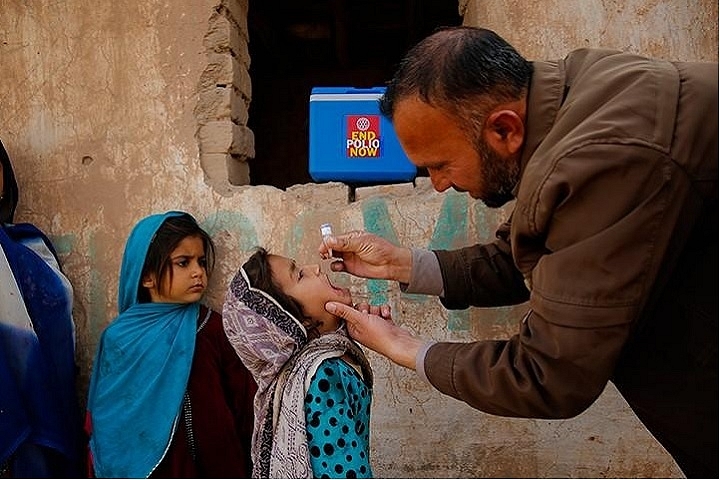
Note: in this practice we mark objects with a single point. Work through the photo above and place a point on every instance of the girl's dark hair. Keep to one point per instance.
(9, 195)
(259, 273)
(454, 67)
(172, 231)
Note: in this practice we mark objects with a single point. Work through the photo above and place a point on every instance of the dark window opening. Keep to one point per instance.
(297, 45)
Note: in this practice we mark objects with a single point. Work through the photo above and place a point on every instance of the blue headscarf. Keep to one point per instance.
(40, 426)
(141, 370)
(38, 402)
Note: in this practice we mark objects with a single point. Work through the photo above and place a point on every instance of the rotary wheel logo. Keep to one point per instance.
(362, 124)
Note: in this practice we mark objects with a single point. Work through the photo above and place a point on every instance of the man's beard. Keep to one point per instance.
(500, 176)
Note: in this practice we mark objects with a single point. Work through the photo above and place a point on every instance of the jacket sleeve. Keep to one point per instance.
(482, 275)
(545, 371)
(591, 260)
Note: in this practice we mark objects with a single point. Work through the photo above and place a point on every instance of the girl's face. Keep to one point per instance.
(188, 281)
(311, 289)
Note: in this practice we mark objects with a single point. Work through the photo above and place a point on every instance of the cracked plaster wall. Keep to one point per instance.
(99, 111)
(548, 29)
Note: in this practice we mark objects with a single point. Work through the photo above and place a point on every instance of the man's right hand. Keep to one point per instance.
(373, 328)
(366, 255)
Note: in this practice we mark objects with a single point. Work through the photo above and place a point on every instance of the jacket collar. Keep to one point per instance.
(545, 97)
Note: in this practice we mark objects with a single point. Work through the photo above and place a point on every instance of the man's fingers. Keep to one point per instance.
(346, 242)
(375, 309)
(382, 311)
(344, 311)
(362, 307)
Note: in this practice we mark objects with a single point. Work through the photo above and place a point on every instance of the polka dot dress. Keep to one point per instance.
(337, 414)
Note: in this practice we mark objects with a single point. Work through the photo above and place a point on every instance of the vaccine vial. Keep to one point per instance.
(326, 231)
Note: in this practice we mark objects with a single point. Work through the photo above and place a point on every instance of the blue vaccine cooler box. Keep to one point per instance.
(350, 141)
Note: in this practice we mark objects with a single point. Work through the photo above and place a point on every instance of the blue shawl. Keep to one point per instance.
(141, 370)
(38, 402)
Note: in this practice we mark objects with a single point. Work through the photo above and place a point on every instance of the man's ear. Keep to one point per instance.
(505, 132)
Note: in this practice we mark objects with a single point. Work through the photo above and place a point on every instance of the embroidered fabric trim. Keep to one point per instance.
(187, 406)
(187, 418)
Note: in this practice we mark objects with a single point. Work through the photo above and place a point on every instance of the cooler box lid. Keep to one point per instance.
(351, 141)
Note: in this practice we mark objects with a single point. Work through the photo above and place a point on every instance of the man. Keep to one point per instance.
(612, 161)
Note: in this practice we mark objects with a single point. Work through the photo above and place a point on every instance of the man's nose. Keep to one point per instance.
(439, 182)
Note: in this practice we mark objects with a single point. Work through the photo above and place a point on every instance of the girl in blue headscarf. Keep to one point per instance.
(168, 395)
(40, 426)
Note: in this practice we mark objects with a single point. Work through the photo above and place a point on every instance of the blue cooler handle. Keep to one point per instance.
(365, 90)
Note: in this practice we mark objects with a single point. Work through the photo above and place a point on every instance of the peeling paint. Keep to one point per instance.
(234, 222)
(377, 220)
(451, 231)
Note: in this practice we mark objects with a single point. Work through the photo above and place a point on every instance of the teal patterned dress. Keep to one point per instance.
(337, 415)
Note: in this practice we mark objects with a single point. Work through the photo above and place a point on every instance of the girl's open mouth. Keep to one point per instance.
(337, 289)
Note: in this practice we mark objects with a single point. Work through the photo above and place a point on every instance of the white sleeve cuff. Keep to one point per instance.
(420, 360)
(425, 276)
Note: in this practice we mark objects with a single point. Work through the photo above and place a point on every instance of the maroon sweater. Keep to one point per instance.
(221, 392)
(221, 397)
